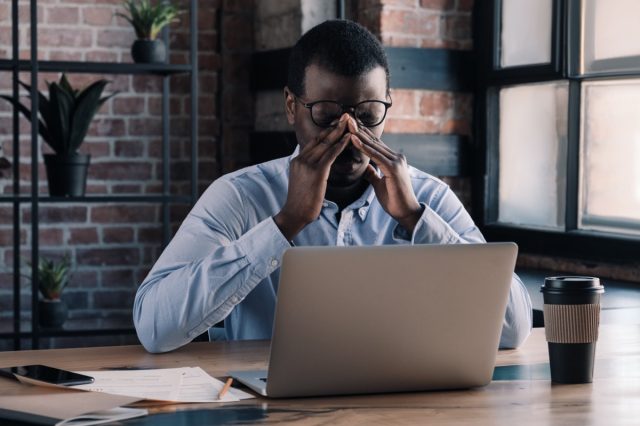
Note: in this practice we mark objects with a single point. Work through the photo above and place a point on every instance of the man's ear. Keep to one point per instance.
(289, 105)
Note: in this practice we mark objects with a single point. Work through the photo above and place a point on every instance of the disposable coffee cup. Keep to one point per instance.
(571, 321)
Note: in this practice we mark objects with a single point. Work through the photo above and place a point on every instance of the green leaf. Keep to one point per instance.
(88, 103)
(59, 128)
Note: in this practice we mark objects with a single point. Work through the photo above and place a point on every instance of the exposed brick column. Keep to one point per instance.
(424, 24)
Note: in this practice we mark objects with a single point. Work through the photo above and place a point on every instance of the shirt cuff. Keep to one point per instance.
(264, 246)
(430, 229)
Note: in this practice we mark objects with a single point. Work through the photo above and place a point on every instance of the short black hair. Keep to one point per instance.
(341, 46)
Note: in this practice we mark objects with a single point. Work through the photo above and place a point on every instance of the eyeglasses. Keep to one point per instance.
(327, 113)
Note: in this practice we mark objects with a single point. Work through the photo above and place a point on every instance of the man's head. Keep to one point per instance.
(338, 61)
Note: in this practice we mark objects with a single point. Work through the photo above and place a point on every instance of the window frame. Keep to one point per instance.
(564, 65)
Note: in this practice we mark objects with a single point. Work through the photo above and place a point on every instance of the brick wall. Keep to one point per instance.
(112, 245)
(424, 24)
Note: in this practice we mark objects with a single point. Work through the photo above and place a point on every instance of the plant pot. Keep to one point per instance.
(148, 51)
(52, 313)
(67, 174)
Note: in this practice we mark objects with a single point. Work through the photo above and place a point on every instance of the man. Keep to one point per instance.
(342, 186)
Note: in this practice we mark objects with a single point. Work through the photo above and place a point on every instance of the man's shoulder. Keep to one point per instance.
(421, 178)
(270, 171)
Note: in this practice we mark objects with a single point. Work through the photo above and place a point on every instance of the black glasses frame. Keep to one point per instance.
(345, 108)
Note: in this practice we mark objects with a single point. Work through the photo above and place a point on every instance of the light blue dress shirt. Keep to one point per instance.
(224, 261)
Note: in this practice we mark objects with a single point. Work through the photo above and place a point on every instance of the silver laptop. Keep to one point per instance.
(354, 320)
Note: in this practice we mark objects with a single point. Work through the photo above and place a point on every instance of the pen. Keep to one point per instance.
(225, 388)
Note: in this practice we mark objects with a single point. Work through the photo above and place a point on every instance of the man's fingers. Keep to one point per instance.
(330, 155)
(369, 138)
(371, 175)
(372, 151)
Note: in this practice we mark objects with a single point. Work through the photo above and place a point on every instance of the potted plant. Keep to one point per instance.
(147, 21)
(64, 121)
(53, 277)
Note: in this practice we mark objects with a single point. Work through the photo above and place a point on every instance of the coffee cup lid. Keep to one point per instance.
(572, 283)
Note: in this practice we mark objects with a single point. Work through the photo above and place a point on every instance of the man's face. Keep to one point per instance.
(321, 84)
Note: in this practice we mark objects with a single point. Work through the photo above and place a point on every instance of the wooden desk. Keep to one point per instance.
(613, 398)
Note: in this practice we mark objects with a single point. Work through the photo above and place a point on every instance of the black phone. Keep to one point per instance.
(44, 373)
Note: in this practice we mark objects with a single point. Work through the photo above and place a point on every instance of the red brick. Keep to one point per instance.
(101, 56)
(129, 148)
(145, 126)
(5, 12)
(238, 30)
(96, 149)
(83, 236)
(130, 105)
(120, 171)
(424, 125)
(150, 235)
(97, 16)
(458, 127)
(107, 127)
(404, 103)
(400, 21)
(115, 38)
(50, 236)
(146, 84)
(55, 37)
(456, 27)
(438, 4)
(126, 189)
(84, 279)
(63, 55)
(6, 236)
(435, 104)
(51, 214)
(6, 215)
(403, 3)
(117, 235)
(111, 257)
(124, 214)
(400, 41)
(93, 188)
(118, 278)
(62, 15)
(465, 5)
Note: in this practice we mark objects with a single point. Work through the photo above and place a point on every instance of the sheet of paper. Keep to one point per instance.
(50, 406)
(198, 386)
(188, 384)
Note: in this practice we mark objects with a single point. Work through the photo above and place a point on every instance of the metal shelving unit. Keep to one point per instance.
(34, 67)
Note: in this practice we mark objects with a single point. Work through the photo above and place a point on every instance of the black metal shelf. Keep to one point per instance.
(43, 332)
(98, 67)
(101, 199)
(33, 66)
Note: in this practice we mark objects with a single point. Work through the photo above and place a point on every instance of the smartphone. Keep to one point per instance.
(44, 373)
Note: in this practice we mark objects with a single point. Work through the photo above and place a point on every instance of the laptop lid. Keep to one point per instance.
(355, 320)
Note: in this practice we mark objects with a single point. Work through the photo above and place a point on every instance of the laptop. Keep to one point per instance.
(357, 320)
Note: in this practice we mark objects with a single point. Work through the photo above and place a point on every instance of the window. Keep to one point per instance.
(558, 96)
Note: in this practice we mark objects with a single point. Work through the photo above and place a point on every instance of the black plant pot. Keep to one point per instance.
(148, 51)
(52, 313)
(67, 174)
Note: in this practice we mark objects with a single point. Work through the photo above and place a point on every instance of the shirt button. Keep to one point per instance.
(235, 299)
(274, 262)
(341, 235)
(325, 204)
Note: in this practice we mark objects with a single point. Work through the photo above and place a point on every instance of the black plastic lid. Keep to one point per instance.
(572, 283)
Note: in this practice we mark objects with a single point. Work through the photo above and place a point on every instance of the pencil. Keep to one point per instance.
(225, 388)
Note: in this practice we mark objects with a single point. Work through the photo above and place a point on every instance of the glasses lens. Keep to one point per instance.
(324, 114)
(370, 113)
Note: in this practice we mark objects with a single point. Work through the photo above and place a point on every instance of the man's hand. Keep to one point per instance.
(393, 190)
(308, 176)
